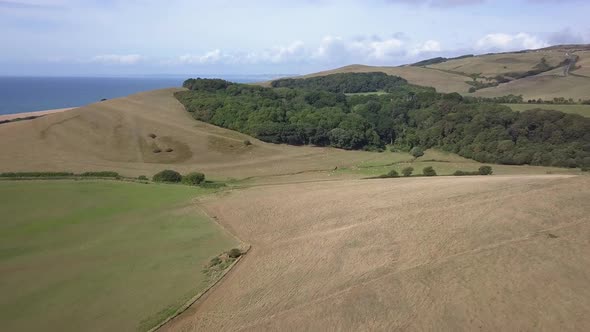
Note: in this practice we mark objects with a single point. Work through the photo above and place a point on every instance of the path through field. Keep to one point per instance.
(472, 253)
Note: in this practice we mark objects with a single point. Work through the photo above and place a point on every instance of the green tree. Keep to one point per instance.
(429, 171)
(485, 170)
(408, 171)
(193, 179)
(417, 152)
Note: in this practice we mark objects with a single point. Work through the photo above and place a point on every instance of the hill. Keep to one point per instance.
(532, 73)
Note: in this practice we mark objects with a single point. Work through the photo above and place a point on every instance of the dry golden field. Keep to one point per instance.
(496, 64)
(476, 253)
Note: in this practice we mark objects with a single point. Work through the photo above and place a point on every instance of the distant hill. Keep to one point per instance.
(532, 73)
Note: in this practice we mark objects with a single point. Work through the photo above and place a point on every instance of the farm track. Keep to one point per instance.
(488, 253)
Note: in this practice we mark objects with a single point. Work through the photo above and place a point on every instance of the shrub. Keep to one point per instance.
(429, 171)
(247, 142)
(167, 176)
(105, 174)
(214, 261)
(462, 173)
(152, 135)
(156, 150)
(142, 177)
(34, 174)
(391, 174)
(193, 179)
(234, 253)
(417, 152)
(585, 169)
(169, 150)
(485, 170)
(408, 171)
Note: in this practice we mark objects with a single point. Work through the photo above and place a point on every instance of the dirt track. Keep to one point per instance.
(474, 253)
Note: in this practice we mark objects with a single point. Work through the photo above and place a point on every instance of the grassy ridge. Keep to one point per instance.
(112, 255)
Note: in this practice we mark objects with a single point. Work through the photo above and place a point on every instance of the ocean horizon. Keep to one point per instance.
(30, 94)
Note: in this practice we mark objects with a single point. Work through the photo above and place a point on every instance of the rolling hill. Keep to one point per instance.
(541, 71)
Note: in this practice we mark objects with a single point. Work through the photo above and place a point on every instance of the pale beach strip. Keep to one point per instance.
(5, 117)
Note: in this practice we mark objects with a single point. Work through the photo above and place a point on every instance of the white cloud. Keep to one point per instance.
(128, 59)
(429, 46)
(506, 42)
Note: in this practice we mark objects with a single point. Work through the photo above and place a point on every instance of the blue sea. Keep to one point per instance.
(28, 94)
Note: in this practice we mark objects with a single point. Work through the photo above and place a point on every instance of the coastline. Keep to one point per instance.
(5, 117)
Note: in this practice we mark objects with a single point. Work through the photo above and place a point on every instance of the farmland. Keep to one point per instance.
(100, 255)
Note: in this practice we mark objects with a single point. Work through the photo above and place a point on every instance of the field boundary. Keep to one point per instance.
(244, 247)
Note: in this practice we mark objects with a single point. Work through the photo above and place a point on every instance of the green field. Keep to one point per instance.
(583, 110)
(444, 163)
(100, 255)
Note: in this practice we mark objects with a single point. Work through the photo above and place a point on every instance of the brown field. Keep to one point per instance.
(474, 253)
(545, 87)
(583, 63)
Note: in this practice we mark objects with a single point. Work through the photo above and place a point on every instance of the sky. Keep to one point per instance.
(246, 37)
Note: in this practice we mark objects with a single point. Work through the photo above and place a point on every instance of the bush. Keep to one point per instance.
(408, 171)
(417, 152)
(34, 174)
(485, 170)
(167, 176)
(152, 135)
(247, 142)
(462, 173)
(193, 179)
(106, 174)
(429, 171)
(214, 261)
(391, 174)
(142, 177)
(157, 150)
(234, 253)
(169, 150)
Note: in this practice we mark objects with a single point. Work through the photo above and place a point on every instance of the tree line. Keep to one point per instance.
(406, 117)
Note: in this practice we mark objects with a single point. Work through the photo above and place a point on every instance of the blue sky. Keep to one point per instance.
(134, 37)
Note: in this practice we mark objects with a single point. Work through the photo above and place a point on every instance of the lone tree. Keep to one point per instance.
(429, 171)
(408, 171)
(485, 170)
(417, 152)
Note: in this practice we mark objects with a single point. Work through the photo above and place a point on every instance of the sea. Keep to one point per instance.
(29, 94)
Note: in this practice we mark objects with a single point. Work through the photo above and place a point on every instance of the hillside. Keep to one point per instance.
(542, 72)
(115, 135)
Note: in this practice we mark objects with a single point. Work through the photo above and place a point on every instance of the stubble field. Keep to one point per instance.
(472, 253)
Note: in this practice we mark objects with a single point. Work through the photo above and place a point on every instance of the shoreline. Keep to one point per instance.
(7, 117)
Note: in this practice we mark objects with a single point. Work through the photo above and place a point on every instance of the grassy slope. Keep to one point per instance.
(99, 256)
(444, 164)
(451, 76)
(113, 135)
(583, 110)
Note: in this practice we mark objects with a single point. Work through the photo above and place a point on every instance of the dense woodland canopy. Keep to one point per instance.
(344, 82)
(406, 117)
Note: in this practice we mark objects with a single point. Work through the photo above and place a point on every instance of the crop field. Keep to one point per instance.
(471, 253)
(100, 255)
(583, 110)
